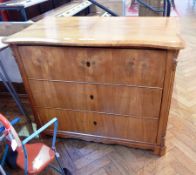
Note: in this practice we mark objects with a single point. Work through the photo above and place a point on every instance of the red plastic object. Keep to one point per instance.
(39, 156)
(5, 122)
(4, 13)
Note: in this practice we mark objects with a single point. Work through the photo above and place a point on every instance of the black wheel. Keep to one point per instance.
(66, 171)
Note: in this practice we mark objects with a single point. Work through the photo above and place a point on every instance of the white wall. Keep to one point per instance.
(10, 65)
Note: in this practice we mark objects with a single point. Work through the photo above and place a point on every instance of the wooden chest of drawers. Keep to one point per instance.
(106, 79)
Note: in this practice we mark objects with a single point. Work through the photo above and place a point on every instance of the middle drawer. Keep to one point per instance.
(124, 100)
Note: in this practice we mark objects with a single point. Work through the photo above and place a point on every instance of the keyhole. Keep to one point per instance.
(88, 64)
(95, 123)
(91, 97)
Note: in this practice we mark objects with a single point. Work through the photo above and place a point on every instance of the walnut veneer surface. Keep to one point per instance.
(108, 80)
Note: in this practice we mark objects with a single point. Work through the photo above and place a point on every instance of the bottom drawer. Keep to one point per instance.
(136, 129)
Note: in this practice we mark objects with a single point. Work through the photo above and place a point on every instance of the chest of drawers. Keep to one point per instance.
(107, 80)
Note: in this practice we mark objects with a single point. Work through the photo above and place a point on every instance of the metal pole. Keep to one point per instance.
(7, 83)
(168, 8)
(12, 94)
(23, 13)
(165, 7)
(152, 8)
(9, 86)
(124, 7)
(103, 7)
(2, 171)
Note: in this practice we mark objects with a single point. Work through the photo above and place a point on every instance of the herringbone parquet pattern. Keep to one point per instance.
(96, 159)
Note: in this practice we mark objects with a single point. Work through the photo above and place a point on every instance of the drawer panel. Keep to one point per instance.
(124, 100)
(103, 65)
(137, 129)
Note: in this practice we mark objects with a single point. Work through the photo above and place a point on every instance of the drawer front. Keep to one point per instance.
(103, 65)
(102, 125)
(122, 100)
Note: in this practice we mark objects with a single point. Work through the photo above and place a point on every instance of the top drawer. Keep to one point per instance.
(102, 65)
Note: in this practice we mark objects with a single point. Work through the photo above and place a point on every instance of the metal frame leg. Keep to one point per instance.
(103, 7)
(167, 7)
(8, 84)
(61, 168)
(3, 160)
(173, 3)
(23, 14)
(2, 170)
(55, 169)
(57, 160)
(124, 7)
(53, 4)
(4, 155)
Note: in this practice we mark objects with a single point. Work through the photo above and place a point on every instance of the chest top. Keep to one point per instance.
(152, 32)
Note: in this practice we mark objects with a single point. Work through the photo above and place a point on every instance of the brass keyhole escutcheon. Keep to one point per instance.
(95, 123)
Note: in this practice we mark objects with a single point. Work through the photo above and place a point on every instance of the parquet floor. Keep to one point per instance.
(84, 158)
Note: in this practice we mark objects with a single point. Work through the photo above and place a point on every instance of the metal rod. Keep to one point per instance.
(55, 134)
(9, 86)
(173, 4)
(124, 7)
(7, 78)
(56, 169)
(13, 122)
(103, 7)
(155, 9)
(58, 162)
(18, 103)
(54, 120)
(164, 7)
(2, 171)
(25, 160)
(168, 8)
(10, 91)
(4, 155)
(23, 14)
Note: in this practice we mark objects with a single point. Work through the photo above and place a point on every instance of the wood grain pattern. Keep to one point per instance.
(9, 28)
(95, 124)
(167, 94)
(88, 158)
(103, 32)
(130, 101)
(25, 80)
(103, 94)
(122, 66)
